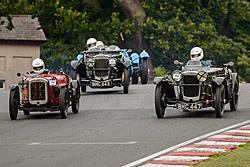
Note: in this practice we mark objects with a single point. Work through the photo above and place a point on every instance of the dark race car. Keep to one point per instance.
(102, 69)
(197, 87)
(44, 92)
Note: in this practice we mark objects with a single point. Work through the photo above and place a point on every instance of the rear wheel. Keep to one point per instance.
(125, 80)
(159, 102)
(144, 71)
(235, 97)
(220, 101)
(83, 88)
(13, 103)
(64, 102)
(134, 79)
(76, 76)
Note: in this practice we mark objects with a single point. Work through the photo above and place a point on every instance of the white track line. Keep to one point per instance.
(239, 131)
(160, 165)
(86, 143)
(140, 161)
(221, 143)
(201, 149)
(181, 158)
(230, 137)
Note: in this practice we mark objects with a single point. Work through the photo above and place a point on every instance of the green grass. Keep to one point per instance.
(236, 158)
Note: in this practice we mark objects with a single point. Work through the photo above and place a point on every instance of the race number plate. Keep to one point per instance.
(185, 106)
(101, 83)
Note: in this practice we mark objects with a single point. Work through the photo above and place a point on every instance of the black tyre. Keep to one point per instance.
(219, 101)
(64, 102)
(26, 112)
(134, 79)
(144, 71)
(75, 101)
(83, 88)
(13, 103)
(235, 97)
(125, 81)
(159, 102)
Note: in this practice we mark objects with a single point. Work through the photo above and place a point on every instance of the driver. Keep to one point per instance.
(100, 45)
(38, 67)
(91, 43)
(197, 54)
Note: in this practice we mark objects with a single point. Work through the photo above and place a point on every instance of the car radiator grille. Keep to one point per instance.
(189, 90)
(38, 91)
(101, 67)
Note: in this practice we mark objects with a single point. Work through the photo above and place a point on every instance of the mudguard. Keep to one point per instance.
(13, 86)
(134, 58)
(234, 78)
(218, 80)
(74, 85)
(127, 62)
(74, 64)
(144, 55)
(158, 80)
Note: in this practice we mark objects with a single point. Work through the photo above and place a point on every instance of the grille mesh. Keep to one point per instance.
(191, 91)
(101, 63)
(38, 91)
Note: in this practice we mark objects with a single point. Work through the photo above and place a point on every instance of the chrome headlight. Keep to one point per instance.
(202, 76)
(52, 82)
(112, 62)
(177, 76)
(90, 62)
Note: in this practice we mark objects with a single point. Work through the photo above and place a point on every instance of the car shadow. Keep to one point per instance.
(102, 92)
(195, 114)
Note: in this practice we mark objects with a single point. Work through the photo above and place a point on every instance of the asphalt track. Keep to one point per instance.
(111, 130)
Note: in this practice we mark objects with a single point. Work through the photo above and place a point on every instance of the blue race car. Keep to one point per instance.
(139, 67)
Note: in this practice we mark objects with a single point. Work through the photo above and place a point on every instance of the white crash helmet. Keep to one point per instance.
(196, 54)
(38, 66)
(91, 42)
(99, 44)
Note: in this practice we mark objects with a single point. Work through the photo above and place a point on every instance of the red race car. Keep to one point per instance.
(44, 92)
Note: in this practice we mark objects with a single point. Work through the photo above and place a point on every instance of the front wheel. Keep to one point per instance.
(13, 103)
(220, 101)
(159, 102)
(235, 97)
(64, 102)
(134, 79)
(75, 101)
(144, 71)
(125, 80)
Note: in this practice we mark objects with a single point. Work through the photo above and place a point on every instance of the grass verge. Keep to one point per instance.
(236, 158)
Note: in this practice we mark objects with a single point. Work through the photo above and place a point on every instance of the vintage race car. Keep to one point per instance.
(44, 92)
(102, 69)
(197, 87)
(139, 67)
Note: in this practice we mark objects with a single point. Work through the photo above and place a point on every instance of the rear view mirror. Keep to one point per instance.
(129, 50)
(176, 62)
(18, 74)
(230, 63)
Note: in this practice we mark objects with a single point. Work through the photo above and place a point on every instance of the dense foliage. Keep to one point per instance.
(172, 28)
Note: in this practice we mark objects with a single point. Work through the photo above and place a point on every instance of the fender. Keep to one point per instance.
(74, 84)
(158, 80)
(218, 80)
(134, 58)
(144, 55)
(127, 62)
(74, 64)
(234, 79)
(13, 86)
